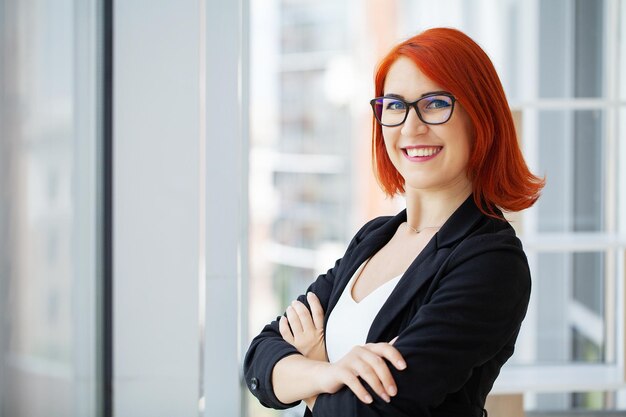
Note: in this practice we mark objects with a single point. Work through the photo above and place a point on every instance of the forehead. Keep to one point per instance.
(405, 78)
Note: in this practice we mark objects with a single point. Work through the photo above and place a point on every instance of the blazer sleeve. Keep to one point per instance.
(269, 347)
(476, 308)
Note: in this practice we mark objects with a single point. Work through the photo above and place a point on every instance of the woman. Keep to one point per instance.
(424, 308)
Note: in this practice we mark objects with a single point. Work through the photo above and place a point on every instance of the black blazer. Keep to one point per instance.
(457, 311)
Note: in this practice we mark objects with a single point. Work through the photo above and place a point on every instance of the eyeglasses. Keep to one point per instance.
(433, 109)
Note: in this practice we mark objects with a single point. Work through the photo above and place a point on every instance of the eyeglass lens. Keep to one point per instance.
(391, 111)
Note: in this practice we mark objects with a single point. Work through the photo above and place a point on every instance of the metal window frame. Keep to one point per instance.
(571, 377)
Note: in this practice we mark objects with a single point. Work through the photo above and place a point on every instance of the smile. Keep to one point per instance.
(421, 153)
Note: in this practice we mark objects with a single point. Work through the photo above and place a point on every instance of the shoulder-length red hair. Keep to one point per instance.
(500, 177)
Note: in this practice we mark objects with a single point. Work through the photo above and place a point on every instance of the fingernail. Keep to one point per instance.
(401, 364)
(368, 399)
(392, 390)
(386, 398)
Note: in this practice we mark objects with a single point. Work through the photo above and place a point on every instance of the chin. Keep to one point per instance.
(421, 180)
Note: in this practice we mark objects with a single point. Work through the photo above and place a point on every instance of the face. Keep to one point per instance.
(429, 157)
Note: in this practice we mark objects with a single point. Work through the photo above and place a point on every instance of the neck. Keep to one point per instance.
(427, 209)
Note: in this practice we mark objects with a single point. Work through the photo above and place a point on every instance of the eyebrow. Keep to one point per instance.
(423, 95)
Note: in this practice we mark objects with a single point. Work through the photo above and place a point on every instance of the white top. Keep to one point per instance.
(350, 322)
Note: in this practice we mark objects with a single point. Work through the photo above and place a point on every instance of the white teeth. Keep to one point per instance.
(413, 152)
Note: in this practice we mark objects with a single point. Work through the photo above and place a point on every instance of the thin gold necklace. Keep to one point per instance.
(417, 231)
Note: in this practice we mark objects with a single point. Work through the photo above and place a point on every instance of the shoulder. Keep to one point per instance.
(490, 235)
(492, 252)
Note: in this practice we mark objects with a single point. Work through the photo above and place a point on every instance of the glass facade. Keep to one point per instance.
(48, 205)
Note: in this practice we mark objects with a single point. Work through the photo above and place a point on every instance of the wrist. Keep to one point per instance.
(320, 371)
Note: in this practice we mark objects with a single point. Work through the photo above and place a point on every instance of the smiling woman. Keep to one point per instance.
(442, 58)
(400, 325)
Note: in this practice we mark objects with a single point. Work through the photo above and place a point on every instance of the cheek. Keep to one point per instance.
(465, 152)
(469, 144)
(470, 136)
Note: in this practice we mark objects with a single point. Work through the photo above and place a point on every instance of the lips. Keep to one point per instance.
(421, 153)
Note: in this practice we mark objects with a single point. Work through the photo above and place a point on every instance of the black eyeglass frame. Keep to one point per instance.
(414, 105)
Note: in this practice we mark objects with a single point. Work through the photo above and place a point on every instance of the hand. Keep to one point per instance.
(307, 328)
(368, 363)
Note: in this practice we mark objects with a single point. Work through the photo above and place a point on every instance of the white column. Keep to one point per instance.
(226, 150)
(156, 212)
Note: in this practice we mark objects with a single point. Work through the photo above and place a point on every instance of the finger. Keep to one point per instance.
(352, 381)
(294, 320)
(316, 310)
(388, 352)
(373, 369)
(285, 331)
(368, 374)
(393, 340)
(305, 316)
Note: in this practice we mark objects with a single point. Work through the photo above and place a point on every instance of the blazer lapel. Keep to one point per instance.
(425, 265)
(370, 244)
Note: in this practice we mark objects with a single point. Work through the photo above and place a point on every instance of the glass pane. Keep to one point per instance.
(48, 305)
(568, 321)
(571, 50)
(571, 156)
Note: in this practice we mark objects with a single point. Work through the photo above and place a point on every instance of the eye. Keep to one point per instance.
(393, 104)
(436, 103)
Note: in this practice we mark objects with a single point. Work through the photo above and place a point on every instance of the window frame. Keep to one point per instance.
(575, 377)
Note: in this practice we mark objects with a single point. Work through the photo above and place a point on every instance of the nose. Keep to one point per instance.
(413, 125)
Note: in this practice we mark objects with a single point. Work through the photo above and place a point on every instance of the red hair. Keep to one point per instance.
(500, 177)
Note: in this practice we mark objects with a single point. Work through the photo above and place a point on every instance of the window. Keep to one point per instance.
(49, 172)
(561, 63)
